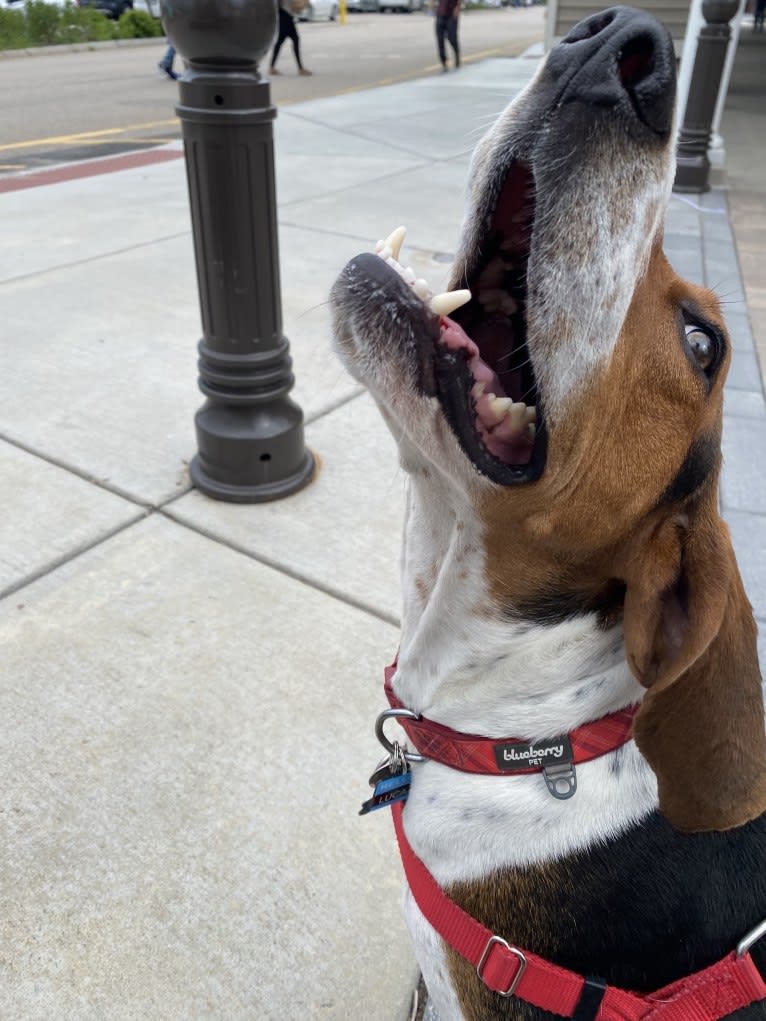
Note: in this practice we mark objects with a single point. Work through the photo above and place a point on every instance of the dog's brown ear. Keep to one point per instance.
(690, 639)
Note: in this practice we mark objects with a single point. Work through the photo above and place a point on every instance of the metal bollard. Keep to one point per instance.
(249, 432)
(692, 163)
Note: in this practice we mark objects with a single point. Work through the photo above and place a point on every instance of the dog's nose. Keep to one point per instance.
(619, 55)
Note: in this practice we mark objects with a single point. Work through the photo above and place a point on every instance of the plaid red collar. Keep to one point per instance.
(472, 753)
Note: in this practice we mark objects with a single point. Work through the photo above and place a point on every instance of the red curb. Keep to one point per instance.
(88, 168)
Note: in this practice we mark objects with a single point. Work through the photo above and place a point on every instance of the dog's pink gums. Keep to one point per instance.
(507, 436)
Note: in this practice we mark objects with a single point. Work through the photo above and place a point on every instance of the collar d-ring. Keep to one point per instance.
(388, 714)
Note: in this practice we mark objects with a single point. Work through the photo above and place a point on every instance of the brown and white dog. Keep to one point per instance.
(563, 553)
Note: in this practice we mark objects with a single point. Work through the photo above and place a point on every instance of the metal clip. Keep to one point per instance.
(388, 714)
(751, 939)
(561, 780)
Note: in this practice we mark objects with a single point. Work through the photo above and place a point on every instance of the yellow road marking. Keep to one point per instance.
(84, 135)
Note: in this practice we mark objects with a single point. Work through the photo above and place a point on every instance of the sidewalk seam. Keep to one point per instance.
(69, 556)
(290, 572)
(358, 391)
(94, 258)
(113, 490)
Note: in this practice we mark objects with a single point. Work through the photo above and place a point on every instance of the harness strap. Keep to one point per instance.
(707, 995)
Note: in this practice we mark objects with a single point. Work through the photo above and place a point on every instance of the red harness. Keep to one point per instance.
(707, 995)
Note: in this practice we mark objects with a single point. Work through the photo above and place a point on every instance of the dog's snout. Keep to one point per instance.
(619, 58)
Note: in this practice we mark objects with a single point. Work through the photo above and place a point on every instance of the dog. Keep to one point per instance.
(564, 559)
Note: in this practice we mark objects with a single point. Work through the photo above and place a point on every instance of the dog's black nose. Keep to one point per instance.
(620, 55)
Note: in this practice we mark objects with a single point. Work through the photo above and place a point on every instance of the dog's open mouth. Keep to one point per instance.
(483, 374)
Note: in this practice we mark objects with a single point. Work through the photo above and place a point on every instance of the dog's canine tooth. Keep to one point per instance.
(421, 288)
(395, 239)
(531, 415)
(446, 303)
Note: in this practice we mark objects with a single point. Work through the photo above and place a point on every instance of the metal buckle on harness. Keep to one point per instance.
(516, 953)
(751, 939)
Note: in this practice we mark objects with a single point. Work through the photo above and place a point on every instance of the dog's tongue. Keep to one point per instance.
(502, 424)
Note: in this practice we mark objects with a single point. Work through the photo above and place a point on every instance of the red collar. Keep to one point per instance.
(501, 756)
(707, 995)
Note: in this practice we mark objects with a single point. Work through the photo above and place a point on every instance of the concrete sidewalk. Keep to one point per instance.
(188, 688)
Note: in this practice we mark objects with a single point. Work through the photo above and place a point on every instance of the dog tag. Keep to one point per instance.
(390, 780)
(394, 788)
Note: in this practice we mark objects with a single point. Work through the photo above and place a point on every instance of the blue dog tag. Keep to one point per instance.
(387, 791)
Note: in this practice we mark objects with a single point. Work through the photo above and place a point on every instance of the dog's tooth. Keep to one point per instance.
(379, 246)
(500, 406)
(492, 274)
(477, 390)
(446, 303)
(531, 432)
(531, 415)
(409, 275)
(385, 253)
(395, 239)
(396, 268)
(421, 288)
(518, 417)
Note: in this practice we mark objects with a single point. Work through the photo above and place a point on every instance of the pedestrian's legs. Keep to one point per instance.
(441, 30)
(167, 61)
(166, 64)
(293, 33)
(285, 24)
(452, 36)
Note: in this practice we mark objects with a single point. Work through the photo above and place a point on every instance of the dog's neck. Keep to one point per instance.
(468, 663)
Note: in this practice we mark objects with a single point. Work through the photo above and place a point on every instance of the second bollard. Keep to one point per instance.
(692, 162)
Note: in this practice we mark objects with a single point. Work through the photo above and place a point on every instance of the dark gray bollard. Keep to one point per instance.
(692, 163)
(249, 432)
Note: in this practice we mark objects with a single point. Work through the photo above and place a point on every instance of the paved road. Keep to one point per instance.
(75, 105)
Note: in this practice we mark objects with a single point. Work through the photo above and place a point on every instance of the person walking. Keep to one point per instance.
(760, 9)
(287, 30)
(166, 64)
(447, 14)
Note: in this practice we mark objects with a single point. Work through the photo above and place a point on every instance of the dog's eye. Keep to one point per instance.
(702, 346)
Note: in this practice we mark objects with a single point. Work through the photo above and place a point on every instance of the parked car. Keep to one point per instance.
(148, 7)
(20, 5)
(363, 5)
(111, 8)
(319, 10)
(405, 6)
